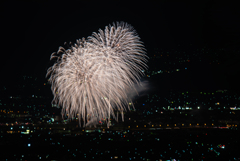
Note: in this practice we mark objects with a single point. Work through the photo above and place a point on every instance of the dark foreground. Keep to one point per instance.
(149, 145)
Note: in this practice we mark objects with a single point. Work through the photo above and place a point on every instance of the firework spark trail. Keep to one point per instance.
(92, 78)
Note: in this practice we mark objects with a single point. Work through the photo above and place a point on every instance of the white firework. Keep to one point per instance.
(91, 79)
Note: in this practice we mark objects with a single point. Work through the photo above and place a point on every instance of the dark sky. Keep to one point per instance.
(32, 30)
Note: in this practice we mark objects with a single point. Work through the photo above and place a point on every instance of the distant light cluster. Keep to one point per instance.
(92, 78)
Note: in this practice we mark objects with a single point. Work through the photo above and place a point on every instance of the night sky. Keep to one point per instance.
(32, 30)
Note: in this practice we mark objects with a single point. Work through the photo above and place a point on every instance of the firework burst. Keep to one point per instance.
(91, 78)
